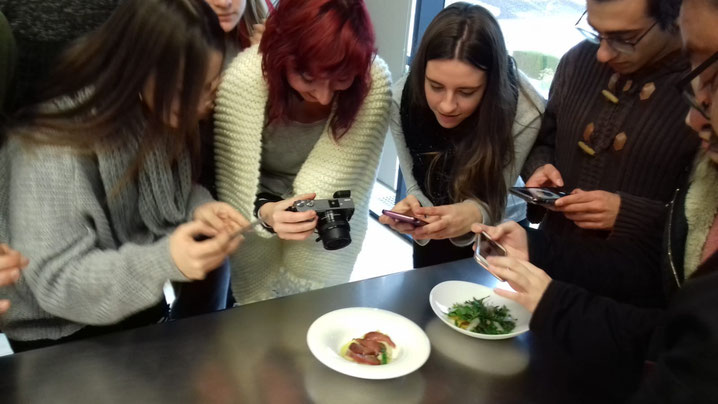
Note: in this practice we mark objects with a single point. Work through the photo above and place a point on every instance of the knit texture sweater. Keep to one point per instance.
(43, 29)
(525, 129)
(94, 259)
(658, 148)
(265, 266)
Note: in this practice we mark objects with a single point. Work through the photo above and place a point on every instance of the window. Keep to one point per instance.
(537, 32)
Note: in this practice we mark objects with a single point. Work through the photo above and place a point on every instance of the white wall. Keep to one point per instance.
(391, 25)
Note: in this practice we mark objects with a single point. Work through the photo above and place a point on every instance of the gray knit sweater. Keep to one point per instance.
(93, 260)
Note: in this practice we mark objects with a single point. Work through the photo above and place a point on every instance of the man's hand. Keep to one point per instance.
(596, 210)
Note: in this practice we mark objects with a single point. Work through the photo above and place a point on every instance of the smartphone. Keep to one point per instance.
(539, 196)
(404, 218)
(484, 247)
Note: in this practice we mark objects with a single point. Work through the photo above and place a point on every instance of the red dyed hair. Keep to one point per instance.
(323, 38)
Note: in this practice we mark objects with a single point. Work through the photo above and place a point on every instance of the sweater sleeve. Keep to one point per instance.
(621, 268)
(197, 197)
(686, 370)
(402, 150)
(638, 216)
(57, 222)
(593, 327)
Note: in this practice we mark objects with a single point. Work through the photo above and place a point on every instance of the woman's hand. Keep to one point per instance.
(406, 206)
(528, 281)
(510, 235)
(447, 221)
(221, 216)
(289, 225)
(195, 259)
(11, 262)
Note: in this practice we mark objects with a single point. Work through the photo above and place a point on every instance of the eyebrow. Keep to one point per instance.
(615, 33)
(460, 88)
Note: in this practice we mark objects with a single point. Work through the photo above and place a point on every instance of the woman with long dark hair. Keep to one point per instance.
(100, 195)
(302, 115)
(463, 121)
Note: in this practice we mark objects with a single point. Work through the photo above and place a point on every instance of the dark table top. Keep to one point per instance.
(258, 353)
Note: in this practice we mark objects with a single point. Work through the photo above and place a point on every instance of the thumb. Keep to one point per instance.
(304, 197)
(283, 205)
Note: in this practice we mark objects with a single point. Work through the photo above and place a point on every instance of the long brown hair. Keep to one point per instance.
(100, 78)
(483, 143)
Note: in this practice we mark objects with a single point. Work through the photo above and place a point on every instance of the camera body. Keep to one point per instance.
(334, 215)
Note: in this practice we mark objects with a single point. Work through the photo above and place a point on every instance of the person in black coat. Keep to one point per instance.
(678, 335)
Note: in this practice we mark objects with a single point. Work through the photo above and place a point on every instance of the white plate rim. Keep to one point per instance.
(389, 371)
(484, 291)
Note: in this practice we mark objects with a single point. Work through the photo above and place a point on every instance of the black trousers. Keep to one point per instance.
(206, 296)
(438, 252)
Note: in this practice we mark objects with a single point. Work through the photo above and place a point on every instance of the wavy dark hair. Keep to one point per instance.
(483, 143)
(665, 12)
(105, 72)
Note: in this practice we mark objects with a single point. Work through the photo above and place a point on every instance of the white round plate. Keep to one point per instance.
(330, 332)
(446, 294)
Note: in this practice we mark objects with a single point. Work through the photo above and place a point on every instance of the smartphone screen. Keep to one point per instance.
(485, 247)
(538, 196)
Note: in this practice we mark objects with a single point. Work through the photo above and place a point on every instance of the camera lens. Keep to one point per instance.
(333, 229)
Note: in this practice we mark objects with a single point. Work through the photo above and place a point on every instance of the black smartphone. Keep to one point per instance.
(484, 247)
(539, 196)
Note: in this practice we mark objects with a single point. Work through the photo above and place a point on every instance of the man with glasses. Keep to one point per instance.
(613, 132)
(681, 341)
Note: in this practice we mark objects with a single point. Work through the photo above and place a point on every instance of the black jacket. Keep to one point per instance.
(671, 321)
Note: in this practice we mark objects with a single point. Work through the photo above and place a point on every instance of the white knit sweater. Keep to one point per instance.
(265, 266)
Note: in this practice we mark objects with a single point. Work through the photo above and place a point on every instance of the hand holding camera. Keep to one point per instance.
(333, 217)
(288, 224)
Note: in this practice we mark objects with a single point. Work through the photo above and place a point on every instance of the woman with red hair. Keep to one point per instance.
(301, 116)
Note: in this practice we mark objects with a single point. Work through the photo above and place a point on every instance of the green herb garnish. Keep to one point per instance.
(476, 316)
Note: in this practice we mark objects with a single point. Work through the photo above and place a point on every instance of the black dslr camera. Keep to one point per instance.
(334, 215)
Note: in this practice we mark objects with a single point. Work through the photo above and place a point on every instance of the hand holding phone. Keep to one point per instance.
(539, 196)
(484, 247)
(404, 218)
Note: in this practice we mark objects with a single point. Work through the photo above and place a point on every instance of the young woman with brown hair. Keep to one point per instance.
(463, 121)
(100, 195)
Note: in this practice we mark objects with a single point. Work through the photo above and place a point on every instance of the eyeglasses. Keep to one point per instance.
(685, 87)
(618, 44)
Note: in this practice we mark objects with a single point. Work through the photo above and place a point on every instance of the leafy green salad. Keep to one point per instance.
(476, 316)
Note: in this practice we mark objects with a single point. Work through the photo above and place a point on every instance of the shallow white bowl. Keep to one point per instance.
(330, 332)
(446, 294)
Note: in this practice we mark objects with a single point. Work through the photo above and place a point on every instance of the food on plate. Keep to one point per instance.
(479, 317)
(374, 348)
